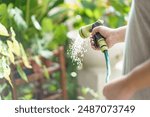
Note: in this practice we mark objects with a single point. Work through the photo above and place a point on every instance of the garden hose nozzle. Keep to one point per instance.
(99, 40)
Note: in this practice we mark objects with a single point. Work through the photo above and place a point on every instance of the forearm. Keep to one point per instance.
(120, 33)
(139, 78)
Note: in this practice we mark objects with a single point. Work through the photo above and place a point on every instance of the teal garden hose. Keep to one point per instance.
(107, 65)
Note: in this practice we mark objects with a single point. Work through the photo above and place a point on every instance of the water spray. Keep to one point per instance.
(99, 41)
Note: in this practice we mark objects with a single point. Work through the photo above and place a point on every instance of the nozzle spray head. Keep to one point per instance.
(84, 31)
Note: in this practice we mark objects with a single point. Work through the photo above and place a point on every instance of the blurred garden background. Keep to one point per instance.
(44, 29)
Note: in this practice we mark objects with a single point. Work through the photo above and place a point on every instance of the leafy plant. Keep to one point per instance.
(113, 12)
(41, 28)
(9, 49)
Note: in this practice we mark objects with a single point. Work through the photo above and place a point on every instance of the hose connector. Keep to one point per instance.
(102, 44)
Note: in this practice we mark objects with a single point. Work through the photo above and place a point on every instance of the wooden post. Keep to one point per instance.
(63, 73)
(39, 91)
(14, 90)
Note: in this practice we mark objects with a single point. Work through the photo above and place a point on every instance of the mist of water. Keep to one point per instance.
(77, 49)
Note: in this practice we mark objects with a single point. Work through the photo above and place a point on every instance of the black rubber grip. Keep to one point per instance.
(97, 35)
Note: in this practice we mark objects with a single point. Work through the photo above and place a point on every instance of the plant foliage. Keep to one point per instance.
(9, 49)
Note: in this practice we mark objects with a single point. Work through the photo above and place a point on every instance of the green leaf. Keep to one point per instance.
(46, 53)
(59, 37)
(16, 48)
(27, 96)
(55, 3)
(9, 81)
(52, 88)
(2, 87)
(89, 12)
(3, 49)
(47, 25)
(11, 56)
(37, 60)
(46, 73)
(16, 13)
(10, 51)
(21, 73)
(58, 14)
(12, 32)
(3, 30)
(88, 4)
(4, 17)
(4, 68)
(24, 57)
(35, 23)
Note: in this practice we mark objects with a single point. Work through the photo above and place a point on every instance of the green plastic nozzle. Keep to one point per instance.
(84, 31)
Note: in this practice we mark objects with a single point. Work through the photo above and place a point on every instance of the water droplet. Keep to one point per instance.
(77, 50)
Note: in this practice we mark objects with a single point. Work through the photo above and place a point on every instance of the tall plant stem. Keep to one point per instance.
(27, 11)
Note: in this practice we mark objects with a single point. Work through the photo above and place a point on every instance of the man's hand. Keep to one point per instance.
(112, 36)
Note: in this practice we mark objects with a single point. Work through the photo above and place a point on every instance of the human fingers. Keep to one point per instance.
(93, 44)
(95, 30)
